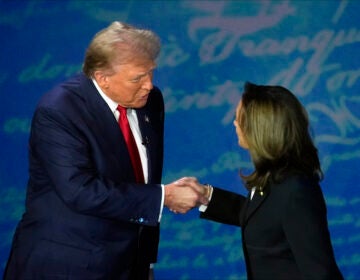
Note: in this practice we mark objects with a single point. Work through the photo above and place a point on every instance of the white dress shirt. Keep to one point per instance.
(134, 126)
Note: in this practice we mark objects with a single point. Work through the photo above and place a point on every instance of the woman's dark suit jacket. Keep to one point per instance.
(284, 231)
(85, 217)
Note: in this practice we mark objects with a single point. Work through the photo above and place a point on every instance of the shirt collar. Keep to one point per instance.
(112, 105)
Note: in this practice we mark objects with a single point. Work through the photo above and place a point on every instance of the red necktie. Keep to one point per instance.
(131, 144)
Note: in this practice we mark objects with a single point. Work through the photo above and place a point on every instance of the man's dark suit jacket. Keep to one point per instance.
(284, 231)
(85, 217)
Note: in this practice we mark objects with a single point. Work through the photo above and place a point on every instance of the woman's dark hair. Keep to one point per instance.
(276, 128)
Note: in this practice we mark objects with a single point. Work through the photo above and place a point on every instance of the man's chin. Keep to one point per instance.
(141, 103)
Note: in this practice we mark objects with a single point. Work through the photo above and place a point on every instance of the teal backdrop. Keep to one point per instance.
(210, 48)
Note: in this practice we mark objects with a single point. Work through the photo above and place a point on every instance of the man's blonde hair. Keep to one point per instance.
(119, 43)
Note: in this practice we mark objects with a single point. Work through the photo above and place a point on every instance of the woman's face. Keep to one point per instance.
(241, 139)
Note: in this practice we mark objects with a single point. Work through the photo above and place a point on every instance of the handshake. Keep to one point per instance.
(185, 194)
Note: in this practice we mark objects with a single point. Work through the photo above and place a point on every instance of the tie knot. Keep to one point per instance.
(121, 109)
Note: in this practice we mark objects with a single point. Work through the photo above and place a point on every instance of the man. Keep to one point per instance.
(92, 212)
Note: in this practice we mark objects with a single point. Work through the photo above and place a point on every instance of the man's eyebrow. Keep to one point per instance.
(147, 72)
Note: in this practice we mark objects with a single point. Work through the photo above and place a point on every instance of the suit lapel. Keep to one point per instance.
(144, 122)
(243, 213)
(104, 124)
(102, 117)
(255, 203)
(107, 131)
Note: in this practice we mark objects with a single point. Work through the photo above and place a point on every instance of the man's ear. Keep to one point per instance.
(102, 79)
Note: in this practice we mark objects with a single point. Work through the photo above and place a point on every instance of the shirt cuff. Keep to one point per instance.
(202, 208)
(162, 202)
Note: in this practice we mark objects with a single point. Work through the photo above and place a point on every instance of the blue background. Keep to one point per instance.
(210, 48)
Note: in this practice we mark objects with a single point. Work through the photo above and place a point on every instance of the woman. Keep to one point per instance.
(284, 225)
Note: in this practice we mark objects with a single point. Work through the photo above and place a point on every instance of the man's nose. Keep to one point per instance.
(148, 84)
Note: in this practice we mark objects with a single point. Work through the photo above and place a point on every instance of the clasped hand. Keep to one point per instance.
(185, 194)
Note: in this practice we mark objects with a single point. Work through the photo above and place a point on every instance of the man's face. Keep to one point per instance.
(131, 83)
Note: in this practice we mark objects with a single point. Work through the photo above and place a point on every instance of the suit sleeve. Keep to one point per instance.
(64, 155)
(306, 229)
(225, 207)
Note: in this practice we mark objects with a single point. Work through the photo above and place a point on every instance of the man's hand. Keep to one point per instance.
(184, 194)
